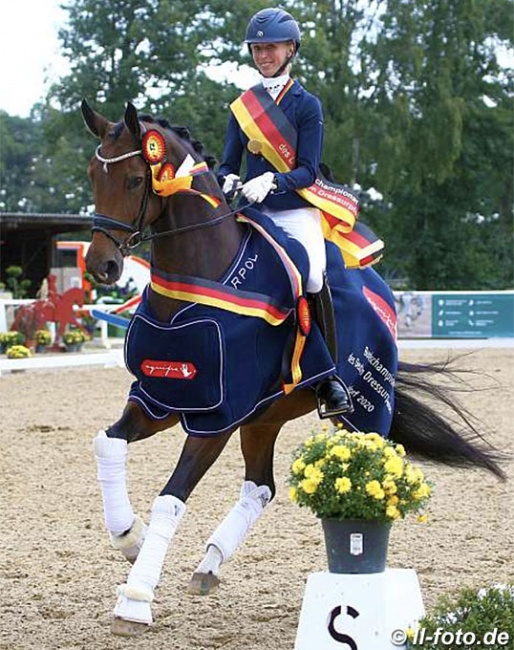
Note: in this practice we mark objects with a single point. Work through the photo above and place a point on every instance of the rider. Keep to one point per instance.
(273, 39)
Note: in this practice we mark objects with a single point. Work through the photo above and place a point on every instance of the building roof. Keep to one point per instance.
(60, 222)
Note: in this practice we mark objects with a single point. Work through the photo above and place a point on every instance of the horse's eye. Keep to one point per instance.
(134, 181)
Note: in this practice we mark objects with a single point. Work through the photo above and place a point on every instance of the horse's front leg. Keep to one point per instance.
(132, 614)
(126, 529)
(258, 489)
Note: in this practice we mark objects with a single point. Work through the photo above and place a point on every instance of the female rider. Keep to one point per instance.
(273, 39)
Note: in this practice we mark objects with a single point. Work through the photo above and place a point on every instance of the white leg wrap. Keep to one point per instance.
(237, 524)
(111, 457)
(135, 597)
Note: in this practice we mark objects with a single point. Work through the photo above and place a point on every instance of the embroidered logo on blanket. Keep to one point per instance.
(168, 369)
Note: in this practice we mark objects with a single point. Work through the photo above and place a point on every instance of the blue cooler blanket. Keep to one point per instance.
(217, 368)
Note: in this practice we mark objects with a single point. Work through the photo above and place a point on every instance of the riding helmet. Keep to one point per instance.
(272, 26)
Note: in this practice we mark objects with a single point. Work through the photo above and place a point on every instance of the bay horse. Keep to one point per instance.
(195, 233)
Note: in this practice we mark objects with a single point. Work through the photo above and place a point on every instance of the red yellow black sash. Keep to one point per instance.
(272, 135)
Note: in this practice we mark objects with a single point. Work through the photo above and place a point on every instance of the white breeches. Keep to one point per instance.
(304, 224)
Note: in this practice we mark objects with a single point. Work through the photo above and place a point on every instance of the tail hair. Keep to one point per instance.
(451, 438)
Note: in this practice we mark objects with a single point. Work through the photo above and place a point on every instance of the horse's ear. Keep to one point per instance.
(132, 121)
(95, 122)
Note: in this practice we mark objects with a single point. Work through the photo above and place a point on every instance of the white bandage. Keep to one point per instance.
(237, 524)
(111, 457)
(230, 183)
(167, 511)
(257, 189)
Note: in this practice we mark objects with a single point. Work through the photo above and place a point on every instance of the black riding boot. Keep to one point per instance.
(332, 395)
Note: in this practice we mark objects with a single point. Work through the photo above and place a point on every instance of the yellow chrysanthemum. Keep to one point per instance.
(293, 494)
(343, 485)
(413, 474)
(400, 450)
(313, 473)
(309, 486)
(389, 485)
(393, 500)
(298, 466)
(376, 438)
(422, 492)
(308, 469)
(394, 466)
(422, 519)
(390, 452)
(374, 489)
(393, 513)
(341, 452)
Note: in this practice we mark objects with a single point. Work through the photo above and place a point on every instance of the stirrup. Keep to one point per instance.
(323, 411)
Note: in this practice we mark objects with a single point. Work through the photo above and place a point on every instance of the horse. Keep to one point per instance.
(195, 233)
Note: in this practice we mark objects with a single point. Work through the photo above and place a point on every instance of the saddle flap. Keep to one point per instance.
(178, 367)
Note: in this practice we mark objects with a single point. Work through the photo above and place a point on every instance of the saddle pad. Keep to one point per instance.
(178, 367)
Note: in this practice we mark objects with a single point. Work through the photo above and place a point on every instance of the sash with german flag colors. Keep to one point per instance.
(272, 135)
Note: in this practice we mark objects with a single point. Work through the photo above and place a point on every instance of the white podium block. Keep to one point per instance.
(359, 611)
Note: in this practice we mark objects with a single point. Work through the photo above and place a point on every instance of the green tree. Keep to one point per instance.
(416, 106)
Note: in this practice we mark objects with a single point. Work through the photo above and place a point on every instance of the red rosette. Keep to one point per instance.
(154, 147)
(303, 314)
(166, 173)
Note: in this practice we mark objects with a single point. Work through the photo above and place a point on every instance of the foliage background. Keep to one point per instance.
(418, 114)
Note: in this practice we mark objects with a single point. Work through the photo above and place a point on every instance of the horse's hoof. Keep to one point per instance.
(202, 584)
(121, 627)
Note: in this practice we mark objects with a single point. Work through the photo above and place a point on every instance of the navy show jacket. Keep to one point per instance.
(304, 112)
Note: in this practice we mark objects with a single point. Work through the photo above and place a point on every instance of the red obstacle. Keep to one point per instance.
(51, 307)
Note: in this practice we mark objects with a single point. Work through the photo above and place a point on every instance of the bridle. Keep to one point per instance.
(104, 224)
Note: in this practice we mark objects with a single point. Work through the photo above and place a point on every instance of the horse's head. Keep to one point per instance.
(139, 163)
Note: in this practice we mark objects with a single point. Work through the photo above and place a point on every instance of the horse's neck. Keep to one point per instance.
(205, 252)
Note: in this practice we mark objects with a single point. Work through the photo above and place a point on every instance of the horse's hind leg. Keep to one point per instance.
(258, 489)
(126, 529)
(133, 609)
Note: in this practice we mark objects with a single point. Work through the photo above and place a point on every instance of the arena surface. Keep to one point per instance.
(58, 574)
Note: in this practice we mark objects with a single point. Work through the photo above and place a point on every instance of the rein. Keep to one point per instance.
(104, 224)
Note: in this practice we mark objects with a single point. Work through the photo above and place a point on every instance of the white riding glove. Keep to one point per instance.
(230, 183)
(258, 188)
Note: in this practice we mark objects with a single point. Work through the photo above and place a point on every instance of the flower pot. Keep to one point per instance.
(356, 545)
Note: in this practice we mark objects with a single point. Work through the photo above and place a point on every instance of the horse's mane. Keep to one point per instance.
(185, 135)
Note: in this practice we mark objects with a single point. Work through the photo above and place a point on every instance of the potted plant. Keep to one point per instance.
(13, 337)
(43, 338)
(358, 484)
(18, 352)
(73, 340)
(469, 616)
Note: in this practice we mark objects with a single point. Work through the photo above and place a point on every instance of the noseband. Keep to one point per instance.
(104, 224)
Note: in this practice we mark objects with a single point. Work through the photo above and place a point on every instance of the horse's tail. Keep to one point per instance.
(426, 431)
